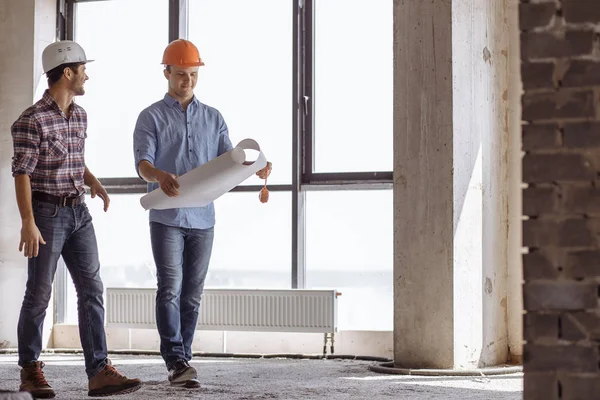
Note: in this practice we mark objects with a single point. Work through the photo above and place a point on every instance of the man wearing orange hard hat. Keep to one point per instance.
(171, 137)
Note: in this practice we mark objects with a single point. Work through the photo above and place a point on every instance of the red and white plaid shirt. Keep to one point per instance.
(49, 147)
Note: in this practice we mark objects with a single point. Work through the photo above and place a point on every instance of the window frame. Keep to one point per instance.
(304, 177)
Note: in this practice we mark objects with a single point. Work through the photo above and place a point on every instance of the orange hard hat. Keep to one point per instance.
(182, 53)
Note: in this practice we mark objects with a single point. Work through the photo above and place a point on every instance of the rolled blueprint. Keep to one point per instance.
(210, 181)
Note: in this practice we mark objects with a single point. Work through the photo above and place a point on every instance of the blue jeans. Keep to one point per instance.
(181, 256)
(68, 231)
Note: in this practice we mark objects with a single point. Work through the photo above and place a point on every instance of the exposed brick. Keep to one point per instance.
(568, 358)
(540, 168)
(584, 200)
(539, 200)
(535, 15)
(540, 136)
(582, 135)
(547, 45)
(566, 233)
(558, 105)
(580, 387)
(582, 264)
(561, 290)
(581, 73)
(571, 329)
(540, 386)
(559, 295)
(579, 11)
(536, 265)
(581, 325)
(540, 326)
(537, 75)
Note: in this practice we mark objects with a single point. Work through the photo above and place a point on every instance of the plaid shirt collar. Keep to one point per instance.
(49, 101)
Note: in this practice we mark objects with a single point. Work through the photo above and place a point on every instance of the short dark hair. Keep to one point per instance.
(55, 74)
(168, 68)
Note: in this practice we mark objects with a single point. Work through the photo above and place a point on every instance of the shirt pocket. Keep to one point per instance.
(57, 145)
(80, 137)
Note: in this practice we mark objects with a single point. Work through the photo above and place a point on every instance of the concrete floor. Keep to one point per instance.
(245, 379)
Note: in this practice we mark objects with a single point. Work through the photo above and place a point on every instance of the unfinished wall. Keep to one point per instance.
(26, 27)
(561, 137)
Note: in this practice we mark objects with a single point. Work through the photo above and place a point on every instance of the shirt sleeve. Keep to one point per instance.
(144, 140)
(26, 134)
(224, 141)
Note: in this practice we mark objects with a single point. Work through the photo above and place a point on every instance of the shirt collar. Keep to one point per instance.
(172, 102)
(48, 100)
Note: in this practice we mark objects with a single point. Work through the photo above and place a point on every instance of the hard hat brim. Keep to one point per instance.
(196, 64)
(84, 62)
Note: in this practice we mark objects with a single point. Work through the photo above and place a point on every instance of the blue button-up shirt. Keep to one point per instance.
(178, 141)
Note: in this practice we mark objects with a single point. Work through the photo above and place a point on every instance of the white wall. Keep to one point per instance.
(357, 343)
(25, 27)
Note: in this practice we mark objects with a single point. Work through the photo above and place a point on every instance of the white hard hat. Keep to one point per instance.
(62, 52)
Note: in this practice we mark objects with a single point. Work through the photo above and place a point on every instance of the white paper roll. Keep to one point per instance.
(205, 184)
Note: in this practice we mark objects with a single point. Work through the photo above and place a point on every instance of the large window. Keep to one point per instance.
(252, 246)
(126, 38)
(353, 85)
(311, 81)
(248, 74)
(123, 236)
(349, 248)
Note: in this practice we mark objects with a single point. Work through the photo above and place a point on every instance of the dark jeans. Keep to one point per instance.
(181, 256)
(68, 232)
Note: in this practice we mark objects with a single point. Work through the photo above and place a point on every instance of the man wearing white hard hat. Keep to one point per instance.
(50, 174)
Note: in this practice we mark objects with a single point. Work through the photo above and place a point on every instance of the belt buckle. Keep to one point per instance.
(64, 202)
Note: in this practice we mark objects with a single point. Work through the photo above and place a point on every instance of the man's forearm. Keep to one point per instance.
(148, 171)
(23, 190)
(88, 178)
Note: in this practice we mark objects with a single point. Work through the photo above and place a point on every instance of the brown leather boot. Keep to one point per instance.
(110, 382)
(34, 382)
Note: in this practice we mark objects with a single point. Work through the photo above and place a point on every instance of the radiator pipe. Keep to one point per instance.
(386, 366)
(221, 355)
(389, 368)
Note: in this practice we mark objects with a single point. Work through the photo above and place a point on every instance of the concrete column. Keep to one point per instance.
(26, 26)
(450, 183)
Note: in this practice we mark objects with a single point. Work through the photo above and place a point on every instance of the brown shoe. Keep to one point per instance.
(110, 382)
(34, 382)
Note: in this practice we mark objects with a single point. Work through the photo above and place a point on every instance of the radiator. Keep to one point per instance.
(291, 310)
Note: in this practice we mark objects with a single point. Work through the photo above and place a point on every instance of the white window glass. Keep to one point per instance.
(123, 236)
(247, 48)
(350, 248)
(252, 247)
(126, 38)
(353, 85)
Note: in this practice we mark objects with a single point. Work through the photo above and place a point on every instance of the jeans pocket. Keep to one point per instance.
(44, 209)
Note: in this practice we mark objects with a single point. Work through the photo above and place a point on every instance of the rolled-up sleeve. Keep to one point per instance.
(144, 139)
(224, 141)
(26, 134)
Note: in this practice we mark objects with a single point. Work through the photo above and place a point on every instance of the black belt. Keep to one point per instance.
(63, 201)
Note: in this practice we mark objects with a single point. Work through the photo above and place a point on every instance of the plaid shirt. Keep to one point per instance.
(49, 147)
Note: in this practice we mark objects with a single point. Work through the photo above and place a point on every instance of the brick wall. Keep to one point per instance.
(560, 52)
